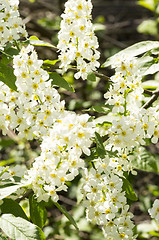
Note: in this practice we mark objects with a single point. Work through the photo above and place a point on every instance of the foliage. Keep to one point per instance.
(54, 156)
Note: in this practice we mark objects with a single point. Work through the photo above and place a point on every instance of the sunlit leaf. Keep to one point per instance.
(35, 41)
(18, 228)
(132, 51)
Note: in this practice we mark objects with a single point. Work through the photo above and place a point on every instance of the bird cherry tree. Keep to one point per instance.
(104, 150)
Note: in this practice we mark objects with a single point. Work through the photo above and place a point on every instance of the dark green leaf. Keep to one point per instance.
(38, 213)
(60, 82)
(64, 211)
(91, 77)
(99, 109)
(100, 147)
(129, 191)
(8, 54)
(20, 229)
(6, 142)
(7, 76)
(10, 206)
(2, 237)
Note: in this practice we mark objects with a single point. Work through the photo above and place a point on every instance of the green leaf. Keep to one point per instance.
(91, 77)
(2, 237)
(6, 190)
(150, 84)
(11, 206)
(51, 62)
(60, 82)
(100, 147)
(35, 41)
(152, 69)
(99, 109)
(6, 142)
(146, 161)
(38, 213)
(8, 54)
(132, 51)
(7, 162)
(149, 4)
(148, 27)
(7, 76)
(64, 211)
(127, 187)
(18, 228)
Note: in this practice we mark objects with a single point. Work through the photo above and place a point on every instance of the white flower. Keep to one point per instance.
(154, 211)
(77, 40)
(11, 26)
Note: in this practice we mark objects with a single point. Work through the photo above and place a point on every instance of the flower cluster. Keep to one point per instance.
(33, 109)
(11, 26)
(60, 157)
(77, 40)
(132, 123)
(106, 202)
(125, 93)
(36, 111)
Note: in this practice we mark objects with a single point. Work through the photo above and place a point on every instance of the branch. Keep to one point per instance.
(154, 97)
(148, 92)
(27, 194)
(100, 75)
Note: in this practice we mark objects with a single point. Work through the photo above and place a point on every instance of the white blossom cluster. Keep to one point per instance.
(133, 123)
(77, 40)
(11, 26)
(60, 160)
(105, 201)
(33, 109)
(125, 93)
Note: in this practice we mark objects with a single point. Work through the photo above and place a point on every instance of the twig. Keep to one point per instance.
(100, 75)
(148, 92)
(27, 194)
(67, 200)
(154, 97)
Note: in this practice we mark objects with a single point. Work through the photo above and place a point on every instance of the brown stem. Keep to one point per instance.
(27, 194)
(148, 92)
(154, 97)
